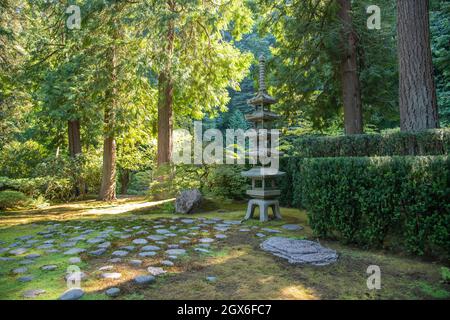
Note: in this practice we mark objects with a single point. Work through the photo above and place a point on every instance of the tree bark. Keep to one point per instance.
(417, 92)
(124, 180)
(165, 98)
(74, 137)
(351, 89)
(108, 188)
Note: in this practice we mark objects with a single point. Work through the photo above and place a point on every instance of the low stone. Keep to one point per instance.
(175, 251)
(244, 230)
(188, 201)
(112, 292)
(72, 294)
(26, 261)
(32, 256)
(111, 275)
(45, 246)
(232, 221)
(202, 250)
(162, 231)
(173, 246)
(6, 259)
(74, 251)
(145, 279)
(150, 248)
(147, 254)
(68, 244)
(95, 240)
(140, 241)
(115, 260)
(25, 279)
(156, 237)
(136, 262)
(300, 251)
(97, 252)
(260, 235)
(23, 238)
(33, 293)
(49, 267)
(156, 271)
(20, 270)
(292, 227)
(120, 253)
(187, 221)
(206, 240)
(106, 268)
(167, 263)
(271, 230)
(221, 236)
(128, 248)
(74, 260)
(18, 251)
(211, 279)
(104, 245)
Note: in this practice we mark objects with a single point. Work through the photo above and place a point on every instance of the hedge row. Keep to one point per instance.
(401, 202)
(50, 188)
(430, 142)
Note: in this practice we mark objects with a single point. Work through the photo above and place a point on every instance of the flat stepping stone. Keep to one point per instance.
(147, 254)
(104, 245)
(271, 230)
(136, 262)
(74, 251)
(33, 293)
(175, 252)
(163, 231)
(167, 263)
(232, 221)
(32, 256)
(184, 241)
(204, 245)
(156, 237)
(156, 271)
(300, 251)
(202, 250)
(112, 292)
(128, 248)
(68, 244)
(140, 241)
(115, 260)
(221, 229)
(244, 230)
(26, 262)
(120, 253)
(49, 267)
(95, 240)
(211, 279)
(206, 240)
(260, 235)
(106, 268)
(173, 246)
(45, 246)
(97, 252)
(188, 221)
(18, 251)
(74, 260)
(25, 279)
(111, 275)
(292, 227)
(23, 238)
(150, 248)
(221, 236)
(72, 294)
(145, 279)
(20, 270)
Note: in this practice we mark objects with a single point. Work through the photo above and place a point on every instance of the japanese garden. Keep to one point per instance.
(224, 150)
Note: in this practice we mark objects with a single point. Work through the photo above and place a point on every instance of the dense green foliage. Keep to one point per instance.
(398, 202)
(13, 199)
(431, 142)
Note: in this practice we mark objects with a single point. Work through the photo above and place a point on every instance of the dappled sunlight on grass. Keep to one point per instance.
(297, 293)
(127, 207)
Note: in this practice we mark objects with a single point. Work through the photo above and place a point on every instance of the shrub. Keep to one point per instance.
(51, 188)
(429, 142)
(368, 200)
(225, 181)
(18, 159)
(13, 199)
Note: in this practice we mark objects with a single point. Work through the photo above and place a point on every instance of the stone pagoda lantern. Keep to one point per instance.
(264, 192)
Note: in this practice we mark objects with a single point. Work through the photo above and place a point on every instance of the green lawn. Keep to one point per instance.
(242, 270)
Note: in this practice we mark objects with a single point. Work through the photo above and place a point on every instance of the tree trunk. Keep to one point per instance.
(74, 137)
(124, 180)
(417, 92)
(108, 188)
(165, 99)
(351, 89)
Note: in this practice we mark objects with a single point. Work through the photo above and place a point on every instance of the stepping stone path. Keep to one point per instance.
(112, 292)
(144, 279)
(72, 294)
(156, 271)
(300, 251)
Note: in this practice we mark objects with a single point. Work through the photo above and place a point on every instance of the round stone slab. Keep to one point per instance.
(111, 275)
(120, 253)
(144, 279)
(292, 227)
(140, 241)
(72, 294)
(112, 292)
(300, 251)
(175, 251)
(156, 271)
(33, 293)
(150, 248)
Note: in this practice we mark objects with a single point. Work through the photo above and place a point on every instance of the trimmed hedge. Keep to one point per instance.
(401, 202)
(13, 199)
(429, 142)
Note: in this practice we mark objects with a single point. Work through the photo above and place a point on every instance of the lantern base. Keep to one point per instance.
(264, 206)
